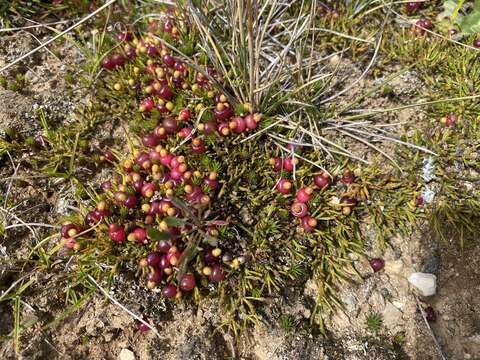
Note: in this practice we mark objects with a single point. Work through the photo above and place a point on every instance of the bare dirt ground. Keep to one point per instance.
(101, 330)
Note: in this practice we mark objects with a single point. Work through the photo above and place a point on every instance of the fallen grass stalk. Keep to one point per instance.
(113, 300)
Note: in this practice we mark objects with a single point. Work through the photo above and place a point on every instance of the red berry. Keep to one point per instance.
(150, 140)
(217, 273)
(209, 127)
(108, 63)
(140, 235)
(170, 125)
(117, 59)
(172, 256)
(108, 155)
(299, 209)
(450, 120)
(308, 223)
(147, 105)
(290, 163)
(284, 186)
(304, 194)
(187, 282)
(69, 230)
(185, 115)
(116, 232)
(430, 314)
(212, 184)
(277, 164)
(419, 200)
(198, 146)
(152, 51)
(130, 202)
(347, 177)
(169, 60)
(163, 246)
(377, 264)
(169, 291)
(476, 43)
(412, 7)
(142, 327)
(250, 122)
(154, 276)
(321, 180)
(124, 36)
(224, 114)
(168, 26)
(141, 158)
(184, 132)
(153, 259)
(165, 92)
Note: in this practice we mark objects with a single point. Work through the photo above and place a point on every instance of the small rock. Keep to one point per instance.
(392, 317)
(431, 264)
(425, 283)
(126, 354)
(393, 267)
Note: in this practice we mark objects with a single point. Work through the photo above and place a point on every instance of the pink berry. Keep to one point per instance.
(168, 26)
(238, 125)
(148, 190)
(142, 327)
(450, 120)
